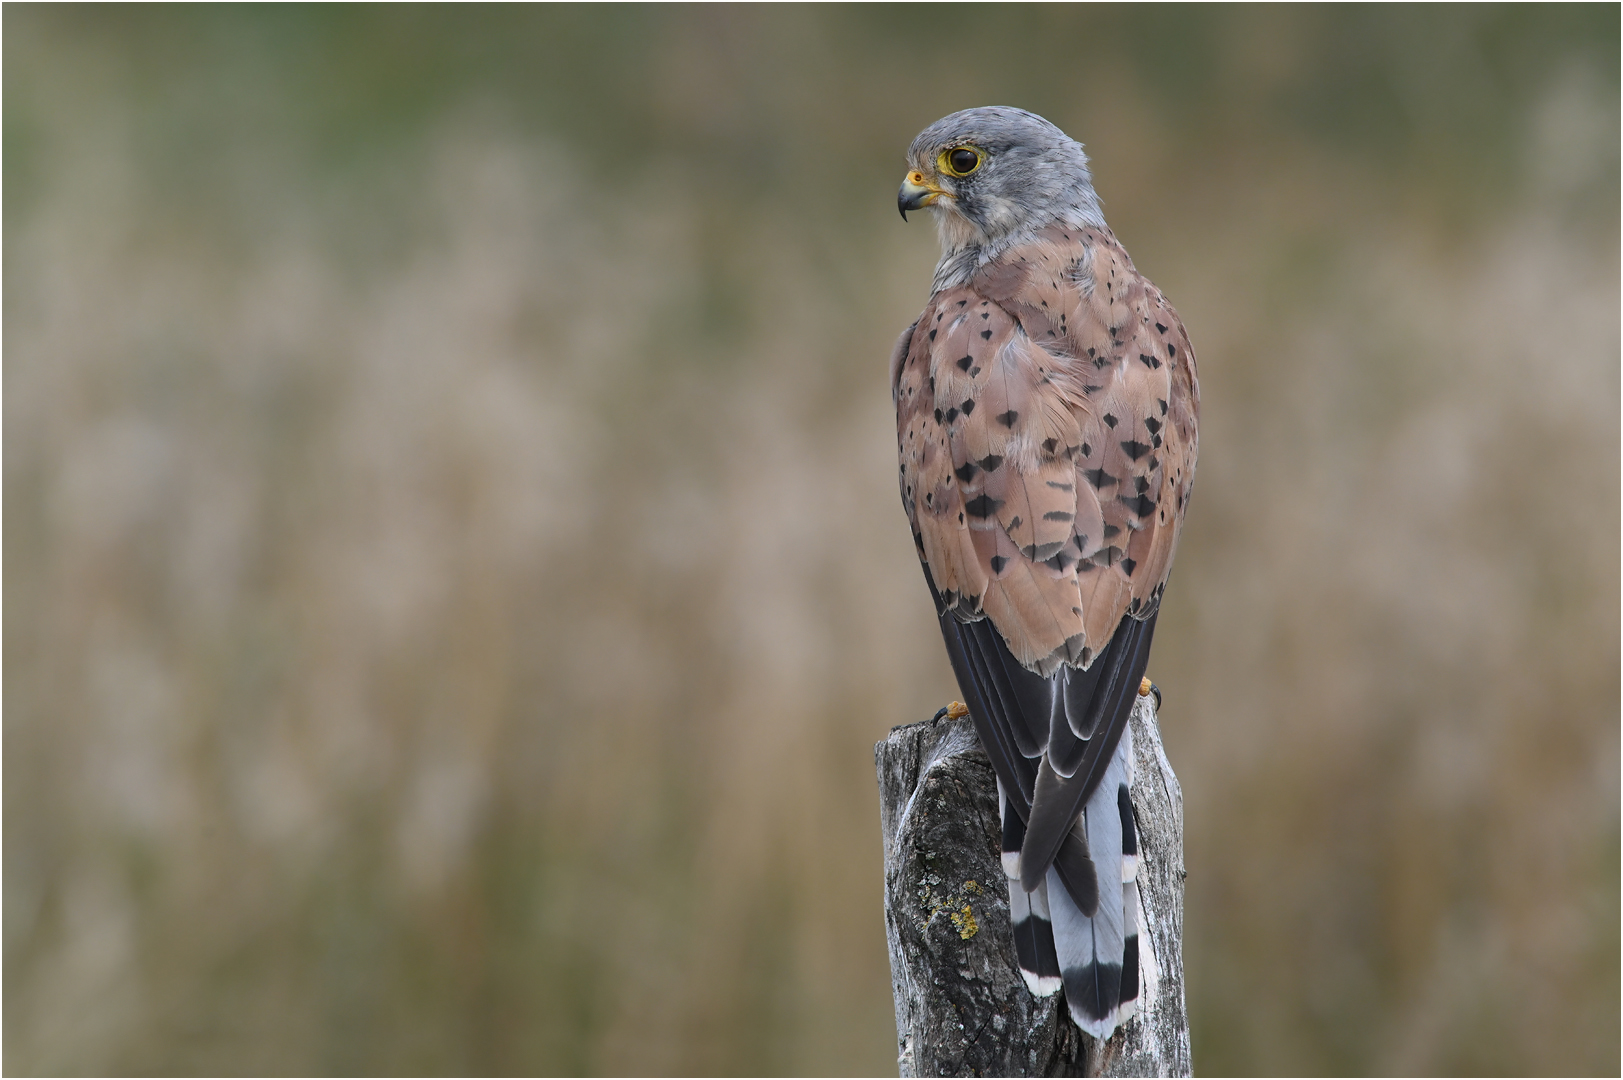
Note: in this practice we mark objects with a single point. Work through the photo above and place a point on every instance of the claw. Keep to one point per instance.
(953, 710)
(1147, 687)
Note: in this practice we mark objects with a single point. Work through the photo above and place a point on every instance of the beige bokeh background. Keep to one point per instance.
(454, 575)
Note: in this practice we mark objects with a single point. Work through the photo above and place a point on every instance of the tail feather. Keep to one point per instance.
(1129, 893)
(1067, 825)
(1098, 953)
(1028, 912)
(1129, 963)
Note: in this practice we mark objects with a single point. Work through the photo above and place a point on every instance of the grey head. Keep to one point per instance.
(994, 177)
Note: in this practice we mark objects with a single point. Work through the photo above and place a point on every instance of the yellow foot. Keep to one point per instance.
(1147, 687)
(950, 711)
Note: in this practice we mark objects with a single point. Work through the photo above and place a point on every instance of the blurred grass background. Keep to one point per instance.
(454, 575)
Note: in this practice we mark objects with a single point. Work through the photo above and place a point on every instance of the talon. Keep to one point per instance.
(1147, 687)
(954, 710)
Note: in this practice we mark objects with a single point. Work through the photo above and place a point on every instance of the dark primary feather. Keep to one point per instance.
(1004, 701)
(1056, 800)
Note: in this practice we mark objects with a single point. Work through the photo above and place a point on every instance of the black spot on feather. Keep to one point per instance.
(1007, 419)
(1098, 478)
(983, 506)
(1141, 505)
(968, 406)
(1110, 420)
(1135, 449)
(964, 362)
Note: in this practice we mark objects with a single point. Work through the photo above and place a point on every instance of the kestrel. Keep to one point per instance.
(1046, 405)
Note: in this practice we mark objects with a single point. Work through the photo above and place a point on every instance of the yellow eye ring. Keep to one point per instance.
(959, 160)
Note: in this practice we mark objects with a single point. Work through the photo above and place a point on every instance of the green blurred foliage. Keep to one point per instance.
(454, 577)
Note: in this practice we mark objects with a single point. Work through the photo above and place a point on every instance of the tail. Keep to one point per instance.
(1093, 956)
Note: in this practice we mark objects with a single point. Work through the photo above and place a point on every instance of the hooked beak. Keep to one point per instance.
(917, 191)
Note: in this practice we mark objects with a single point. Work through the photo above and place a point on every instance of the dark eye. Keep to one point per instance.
(963, 161)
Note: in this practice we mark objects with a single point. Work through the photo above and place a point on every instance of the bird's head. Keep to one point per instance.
(997, 174)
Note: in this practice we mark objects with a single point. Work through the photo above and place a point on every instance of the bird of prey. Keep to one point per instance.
(1046, 405)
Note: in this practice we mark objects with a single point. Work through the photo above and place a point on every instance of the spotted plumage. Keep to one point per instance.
(1046, 403)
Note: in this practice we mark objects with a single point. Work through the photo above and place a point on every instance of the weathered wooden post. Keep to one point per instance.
(961, 1007)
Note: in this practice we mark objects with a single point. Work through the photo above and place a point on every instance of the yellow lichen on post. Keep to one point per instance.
(957, 908)
(964, 920)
